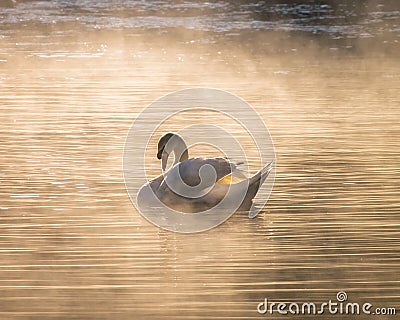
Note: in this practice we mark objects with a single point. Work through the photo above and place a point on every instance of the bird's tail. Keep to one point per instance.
(254, 183)
(258, 179)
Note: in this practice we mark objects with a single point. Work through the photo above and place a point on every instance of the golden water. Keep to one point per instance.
(72, 245)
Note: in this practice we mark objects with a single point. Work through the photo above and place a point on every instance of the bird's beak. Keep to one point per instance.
(159, 153)
(164, 160)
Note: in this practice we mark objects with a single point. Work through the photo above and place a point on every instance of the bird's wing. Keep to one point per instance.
(189, 169)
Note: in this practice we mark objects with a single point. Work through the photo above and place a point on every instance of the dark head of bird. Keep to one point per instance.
(171, 142)
(162, 142)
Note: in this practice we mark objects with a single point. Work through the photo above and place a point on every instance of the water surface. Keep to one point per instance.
(74, 76)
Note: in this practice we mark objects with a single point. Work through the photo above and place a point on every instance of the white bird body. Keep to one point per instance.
(198, 184)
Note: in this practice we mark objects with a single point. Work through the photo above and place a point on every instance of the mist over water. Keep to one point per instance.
(324, 76)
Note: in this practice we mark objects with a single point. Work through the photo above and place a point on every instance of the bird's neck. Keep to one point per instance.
(180, 150)
(184, 156)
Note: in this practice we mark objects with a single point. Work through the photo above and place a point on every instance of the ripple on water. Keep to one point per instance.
(72, 245)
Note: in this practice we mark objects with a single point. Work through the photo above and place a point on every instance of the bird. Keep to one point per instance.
(198, 184)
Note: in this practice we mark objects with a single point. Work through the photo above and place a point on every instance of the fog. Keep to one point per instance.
(323, 75)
